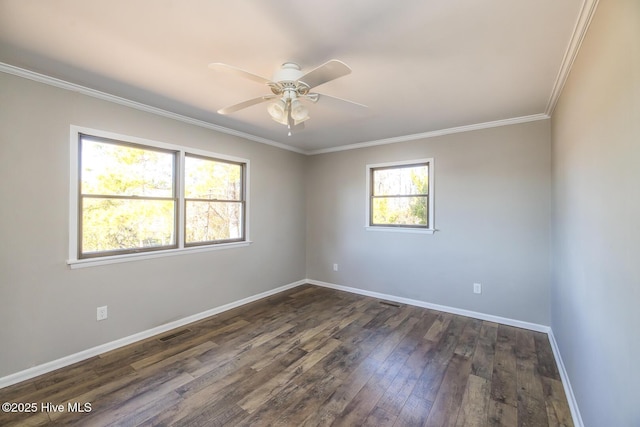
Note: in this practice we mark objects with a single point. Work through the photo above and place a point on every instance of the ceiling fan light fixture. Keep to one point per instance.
(277, 110)
(299, 112)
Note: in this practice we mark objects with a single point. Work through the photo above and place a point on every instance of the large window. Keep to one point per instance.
(136, 197)
(400, 196)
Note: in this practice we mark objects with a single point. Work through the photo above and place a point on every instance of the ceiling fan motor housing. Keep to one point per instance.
(286, 80)
(288, 72)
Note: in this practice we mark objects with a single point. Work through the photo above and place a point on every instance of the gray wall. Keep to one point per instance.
(492, 207)
(596, 175)
(47, 310)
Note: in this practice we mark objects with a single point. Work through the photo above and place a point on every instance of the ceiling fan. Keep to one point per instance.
(289, 86)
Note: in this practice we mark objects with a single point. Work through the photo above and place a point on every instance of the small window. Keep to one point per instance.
(401, 196)
(214, 200)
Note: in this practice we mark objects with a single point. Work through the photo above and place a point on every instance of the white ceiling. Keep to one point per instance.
(420, 66)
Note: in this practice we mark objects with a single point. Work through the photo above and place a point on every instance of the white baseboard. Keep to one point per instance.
(568, 391)
(103, 348)
(468, 313)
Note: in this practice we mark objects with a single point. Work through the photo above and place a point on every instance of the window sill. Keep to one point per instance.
(115, 259)
(402, 230)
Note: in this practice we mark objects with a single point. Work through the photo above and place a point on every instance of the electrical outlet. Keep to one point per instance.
(335, 267)
(477, 288)
(102, 313)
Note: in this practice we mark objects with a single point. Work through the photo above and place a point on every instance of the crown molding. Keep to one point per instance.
(52, 81)
(441, 132)
(579, 31)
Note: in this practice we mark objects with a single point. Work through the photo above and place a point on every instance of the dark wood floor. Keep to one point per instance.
(311, 356)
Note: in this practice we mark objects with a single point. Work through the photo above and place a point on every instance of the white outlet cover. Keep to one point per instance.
(477, 288)
(101, 313)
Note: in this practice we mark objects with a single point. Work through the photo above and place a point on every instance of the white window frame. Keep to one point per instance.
(74, 188)
(430, 200)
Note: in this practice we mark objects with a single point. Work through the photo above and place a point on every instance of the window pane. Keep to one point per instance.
(123, 224)
(401, 181)
(211, 221)
(123, 170)
(212, 180)
(399, 211)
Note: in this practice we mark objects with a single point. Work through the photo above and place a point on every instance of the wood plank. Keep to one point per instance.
(546, 361)
(164, 358)
(212, 416)
(134, 391)
(474, 410)
(308, 390)
(330, 328)
(236, 373)
(393, 401)
(439, 327)
(415, 336)
(558, 412)
(379, 418)
(467, 341)
(311, 332)
(483, 356)
(450, 393)
(439, 357)
(503, 382)
(532, 412)
(382, 317)
(395, 337)
(318, 384)
(502, 415)
(352, 385)
(256, 398)
(414, 412)
(528, 380)
(366, 399)
(344, 394)
(216, 397)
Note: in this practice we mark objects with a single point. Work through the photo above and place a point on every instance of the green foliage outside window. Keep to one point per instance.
(213, 192)
(129, 198)
(400, 196)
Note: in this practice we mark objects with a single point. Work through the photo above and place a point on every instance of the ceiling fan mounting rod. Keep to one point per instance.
(289, 94)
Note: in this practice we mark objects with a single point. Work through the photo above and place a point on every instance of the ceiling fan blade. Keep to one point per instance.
(310, 97)
(219, 66)
(340, 103)
(233, 108)
(328, 71)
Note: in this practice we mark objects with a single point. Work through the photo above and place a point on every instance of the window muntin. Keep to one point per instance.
(214, 200)
(127, 200)
(114, 175)
(399, 195)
